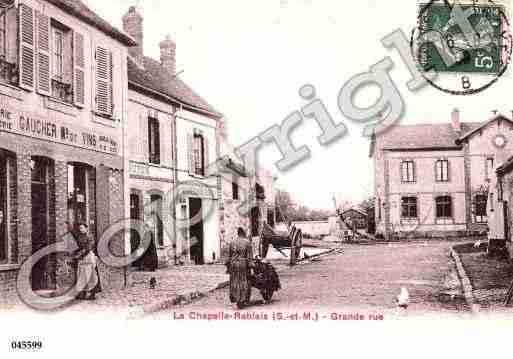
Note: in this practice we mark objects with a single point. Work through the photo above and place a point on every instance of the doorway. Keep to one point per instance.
(135, 215)
(3, 210)
(196, 235)
(39, 186)
(255, 221)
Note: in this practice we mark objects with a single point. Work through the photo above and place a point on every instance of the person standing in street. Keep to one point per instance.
(87, 264)
(239, 267)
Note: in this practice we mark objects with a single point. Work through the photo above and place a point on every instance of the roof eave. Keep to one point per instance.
(113, 32)
(463, 138)
(136, 86)
(427, 148)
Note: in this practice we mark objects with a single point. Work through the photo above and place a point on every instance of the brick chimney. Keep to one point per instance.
(168, 55)
(456, 124)
(133, 26)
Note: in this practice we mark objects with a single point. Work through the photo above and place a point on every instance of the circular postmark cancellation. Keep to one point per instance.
(468, 45)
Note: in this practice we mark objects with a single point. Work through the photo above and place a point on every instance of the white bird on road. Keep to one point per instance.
(403, 299)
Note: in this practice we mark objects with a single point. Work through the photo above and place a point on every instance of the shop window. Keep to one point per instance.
(80, 191)
(4, 217)
(154, 141)
(409, 207)
(443, 207)
(157, 219)
(480, 213)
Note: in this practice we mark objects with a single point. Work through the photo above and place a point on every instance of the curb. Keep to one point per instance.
(465, 283)
(189, 298)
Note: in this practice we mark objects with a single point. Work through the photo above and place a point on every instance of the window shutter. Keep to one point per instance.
(151, 140)
(143, 143)
(157, 141)
(27, 45)
(190, 153)
(206, 154)
(79, 69)
(103, 81)
(43, 54)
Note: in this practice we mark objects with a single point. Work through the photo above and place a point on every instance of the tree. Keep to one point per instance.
(289, 211)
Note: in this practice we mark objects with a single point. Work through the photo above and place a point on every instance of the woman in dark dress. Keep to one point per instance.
(239, 267)
(150, 258)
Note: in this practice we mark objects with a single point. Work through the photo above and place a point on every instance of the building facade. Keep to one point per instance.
(63, 95)
(172, 142)
(433, 180)
(235, 192)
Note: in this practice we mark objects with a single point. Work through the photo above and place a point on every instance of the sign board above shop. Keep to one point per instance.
(36, 126)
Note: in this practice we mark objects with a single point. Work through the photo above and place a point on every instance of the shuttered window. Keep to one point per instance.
(154, 140)
(199, 154)
(3, 35)
(7, 67)
(103, 81)
(235, 188)
(62, 62)
(27, 47)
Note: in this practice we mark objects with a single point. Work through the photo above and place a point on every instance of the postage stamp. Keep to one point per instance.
(468, 44)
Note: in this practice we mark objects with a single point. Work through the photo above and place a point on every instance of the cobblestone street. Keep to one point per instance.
(363, 278)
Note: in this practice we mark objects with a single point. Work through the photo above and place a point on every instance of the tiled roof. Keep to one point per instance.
(155, 77)
(80, 10)
(466, 135)
(424, 136)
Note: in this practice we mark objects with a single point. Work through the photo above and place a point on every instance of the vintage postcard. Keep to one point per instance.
(268, 169)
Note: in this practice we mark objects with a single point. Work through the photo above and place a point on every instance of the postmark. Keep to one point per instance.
(467, 44)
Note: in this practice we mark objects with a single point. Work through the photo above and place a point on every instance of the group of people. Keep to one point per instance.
(239, 264)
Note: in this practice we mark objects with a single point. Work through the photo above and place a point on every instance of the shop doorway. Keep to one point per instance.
(3, 210)
(135, 215)
(255, 221)
(196, 232)
(39, 187)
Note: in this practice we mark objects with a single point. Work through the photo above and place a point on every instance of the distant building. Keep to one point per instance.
(433, 179)
(356, 217)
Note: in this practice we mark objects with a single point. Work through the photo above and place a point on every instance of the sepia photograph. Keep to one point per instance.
(205, 178)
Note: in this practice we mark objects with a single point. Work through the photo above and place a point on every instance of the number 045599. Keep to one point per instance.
(26, 345)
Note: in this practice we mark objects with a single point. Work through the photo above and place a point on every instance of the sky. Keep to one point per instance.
(250, 58)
